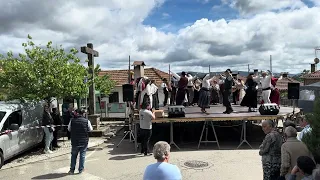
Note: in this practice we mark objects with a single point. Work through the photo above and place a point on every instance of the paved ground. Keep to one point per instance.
(108, 162)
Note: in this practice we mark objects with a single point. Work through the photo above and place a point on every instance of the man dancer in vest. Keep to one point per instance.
(79, 128)
(228, 80)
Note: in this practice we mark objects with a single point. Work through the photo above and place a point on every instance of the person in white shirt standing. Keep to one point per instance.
(145, 117)
(265, 85)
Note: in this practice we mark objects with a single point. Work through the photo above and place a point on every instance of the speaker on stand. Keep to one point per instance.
(293, 93)
(128, 97)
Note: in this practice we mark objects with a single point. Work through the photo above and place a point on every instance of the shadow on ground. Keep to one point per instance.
(51, 176)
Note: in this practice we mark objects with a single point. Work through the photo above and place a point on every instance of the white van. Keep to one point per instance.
(16, 132)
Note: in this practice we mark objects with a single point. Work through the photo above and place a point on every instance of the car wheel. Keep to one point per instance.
(1, 160)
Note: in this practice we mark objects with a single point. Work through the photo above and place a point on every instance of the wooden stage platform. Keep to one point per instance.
(215, 113)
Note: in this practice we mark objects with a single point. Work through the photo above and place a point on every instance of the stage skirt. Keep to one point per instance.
(250, 99)
(275, 96)
(204, 98)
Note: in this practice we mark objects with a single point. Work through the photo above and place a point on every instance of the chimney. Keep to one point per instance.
(313, 68)
(138, 67)
(285, 74)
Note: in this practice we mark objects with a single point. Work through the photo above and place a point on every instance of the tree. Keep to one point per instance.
(299, 77)
(103, 83)
(312, 139)
(44, 72)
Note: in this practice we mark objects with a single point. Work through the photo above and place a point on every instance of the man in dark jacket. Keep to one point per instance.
(79, 128)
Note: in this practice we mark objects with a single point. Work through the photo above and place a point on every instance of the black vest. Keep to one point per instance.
(228, 84)
(79, 132)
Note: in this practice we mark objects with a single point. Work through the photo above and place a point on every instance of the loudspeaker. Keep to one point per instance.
(293, 90)
(269, 109)
(128, 92)
(176, 111)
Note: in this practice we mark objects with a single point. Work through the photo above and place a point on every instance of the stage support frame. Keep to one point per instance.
(243, 138)
(205, 126)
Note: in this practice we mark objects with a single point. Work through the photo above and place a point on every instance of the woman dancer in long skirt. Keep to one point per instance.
(204, 97)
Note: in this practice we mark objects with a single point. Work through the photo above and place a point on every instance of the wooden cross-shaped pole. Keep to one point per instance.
(91, 54)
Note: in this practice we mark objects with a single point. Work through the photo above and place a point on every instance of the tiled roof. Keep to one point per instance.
(121, 76)
(314, 75)
(282, 84)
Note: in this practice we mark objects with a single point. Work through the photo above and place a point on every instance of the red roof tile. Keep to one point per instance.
(121, 76)
(314, 75)
(282, 84)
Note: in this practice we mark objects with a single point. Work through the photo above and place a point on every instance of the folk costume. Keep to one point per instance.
(197, 87)
(265, 86)
(242, 92)
(174, 85)
(190, 88)
(182, 88)
(215, 93)
(165, 89)
(250, 98)
(147, 91)
(154, 94)
(228, 81)
(140, 87)
(205, 93)
(275, 93)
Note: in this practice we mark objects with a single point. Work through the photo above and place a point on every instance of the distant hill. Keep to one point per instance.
(241, 73)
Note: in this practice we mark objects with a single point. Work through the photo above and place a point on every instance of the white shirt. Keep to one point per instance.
(190, 80)
(265, 81)
(206, 81)
(147, 91)
(89, 126)
(153, 89)
(140, 85)
(145, 117)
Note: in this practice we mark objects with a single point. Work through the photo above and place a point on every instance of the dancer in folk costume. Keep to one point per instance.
(139, 88)
(190, 89)
(228, 85)
(181, 97)
(197, 87)
(242, 92)
(275, 93)
(165, 88)
(205, 93)
(215, 92)
(235, 90)
(173, 94)
(154, 94)
(250, 98)
(265, 80)
(146, 92)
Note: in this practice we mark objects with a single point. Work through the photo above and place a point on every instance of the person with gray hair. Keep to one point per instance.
(162, 170)
(270, 151)
(290, 151)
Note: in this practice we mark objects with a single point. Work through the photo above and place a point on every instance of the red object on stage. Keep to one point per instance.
(275, 96)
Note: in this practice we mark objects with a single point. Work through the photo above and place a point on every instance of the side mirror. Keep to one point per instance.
(14, 127)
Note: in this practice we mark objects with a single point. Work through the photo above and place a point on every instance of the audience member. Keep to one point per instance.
(306, 127)
(305, 165)
(162, 170)
(270, 150)
(290, 151)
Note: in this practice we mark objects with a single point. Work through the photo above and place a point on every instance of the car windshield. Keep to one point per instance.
(2, 114)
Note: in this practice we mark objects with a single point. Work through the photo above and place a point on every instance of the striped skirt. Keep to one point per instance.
(204, 98)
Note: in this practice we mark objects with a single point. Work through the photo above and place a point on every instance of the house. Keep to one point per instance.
(282, 84)
(121, 77)
(312, 77)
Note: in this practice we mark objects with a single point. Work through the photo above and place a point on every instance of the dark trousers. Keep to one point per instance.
(166, 96)
(226, 102)
(55, 137)
(145, 135)
(173, 96)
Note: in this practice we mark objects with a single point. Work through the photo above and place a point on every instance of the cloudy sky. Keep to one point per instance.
(188, 34)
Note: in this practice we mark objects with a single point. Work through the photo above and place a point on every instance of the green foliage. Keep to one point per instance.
(42, 72)
(103, 83)
(312, 139)
(300, 76)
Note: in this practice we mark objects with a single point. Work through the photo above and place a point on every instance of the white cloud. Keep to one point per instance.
(165, 16)
(116, 29)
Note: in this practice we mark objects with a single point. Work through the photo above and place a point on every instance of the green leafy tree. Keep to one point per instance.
(42, 72)
(103, 83)
(312, 139)
(300, 76)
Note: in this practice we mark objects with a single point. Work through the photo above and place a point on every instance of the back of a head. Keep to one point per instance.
(160, 150)
(289, 123)
(306, 164)
(79, 113)
(290, 132)
(269, 122)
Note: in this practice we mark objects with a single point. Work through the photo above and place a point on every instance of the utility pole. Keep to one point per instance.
(209, 70)
(129, 72)
(271, 63)
(248, 68)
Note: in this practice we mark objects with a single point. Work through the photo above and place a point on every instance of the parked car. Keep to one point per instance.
(19, 128)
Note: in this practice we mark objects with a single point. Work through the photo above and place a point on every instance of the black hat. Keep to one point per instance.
(183, 73)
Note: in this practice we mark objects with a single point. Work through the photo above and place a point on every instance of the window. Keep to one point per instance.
(14, 118)
(114, 97)
(2, 114)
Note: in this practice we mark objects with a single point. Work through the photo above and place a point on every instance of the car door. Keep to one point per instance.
(17, 141)
(7, 137)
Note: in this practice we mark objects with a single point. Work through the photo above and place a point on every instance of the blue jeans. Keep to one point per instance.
(48, 138)
(75, 150)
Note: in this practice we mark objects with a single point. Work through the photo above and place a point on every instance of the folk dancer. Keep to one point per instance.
(242, 92)
(250, 98)
(204, 97)
(265, 85)
(140, 87)
(146, 92)
(174, 85)
(197, 87)
(275, 93)
(228, 81)
(190, 88)
(154, 93)
(166, 89)
(235, 90)
(215, 92)
(182, 88)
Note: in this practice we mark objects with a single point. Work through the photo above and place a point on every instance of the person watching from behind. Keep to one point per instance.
(305, 165)
(162, 170)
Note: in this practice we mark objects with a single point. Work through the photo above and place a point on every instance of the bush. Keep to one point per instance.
(312, 139)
